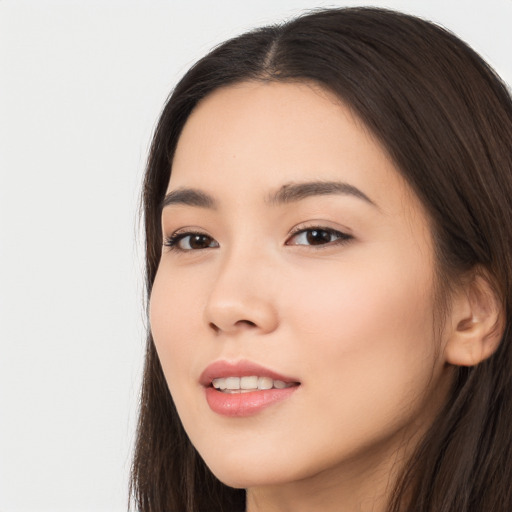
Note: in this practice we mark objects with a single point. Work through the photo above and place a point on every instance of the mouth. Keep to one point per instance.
(249, 384)
(244, 388)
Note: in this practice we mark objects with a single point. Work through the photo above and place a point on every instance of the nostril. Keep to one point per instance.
(240, 324)
(214, 327)
(247, 323)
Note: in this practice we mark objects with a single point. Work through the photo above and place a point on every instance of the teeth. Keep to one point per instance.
(265, 383)
(233, 383)
(251, 383)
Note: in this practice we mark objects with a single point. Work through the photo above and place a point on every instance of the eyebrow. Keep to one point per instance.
(292, 192)
(288, 193)
(189, 197)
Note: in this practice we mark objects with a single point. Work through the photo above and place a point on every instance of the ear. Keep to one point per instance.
(476, 322)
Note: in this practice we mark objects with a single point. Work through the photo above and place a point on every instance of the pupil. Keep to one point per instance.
(317, 237)
(199, 241)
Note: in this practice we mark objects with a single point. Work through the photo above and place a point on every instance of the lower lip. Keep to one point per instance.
(245, 404)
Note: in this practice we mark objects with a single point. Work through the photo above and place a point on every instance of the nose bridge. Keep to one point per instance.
(242, 295)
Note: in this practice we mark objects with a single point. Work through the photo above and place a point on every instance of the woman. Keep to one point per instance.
(328, 231)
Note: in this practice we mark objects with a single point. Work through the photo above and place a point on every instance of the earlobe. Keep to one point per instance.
(477, 323)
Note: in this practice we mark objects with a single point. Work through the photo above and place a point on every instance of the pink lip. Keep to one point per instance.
(242, 404)
(222, 369)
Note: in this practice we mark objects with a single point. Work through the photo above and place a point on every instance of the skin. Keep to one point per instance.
(352, 321)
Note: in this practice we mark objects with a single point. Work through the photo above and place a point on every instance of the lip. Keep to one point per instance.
(222, 369)
(243, 404)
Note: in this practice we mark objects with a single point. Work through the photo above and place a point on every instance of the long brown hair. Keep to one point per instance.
(445, 118)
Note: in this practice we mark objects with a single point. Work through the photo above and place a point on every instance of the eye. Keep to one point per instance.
(318, 236)
(190, 241)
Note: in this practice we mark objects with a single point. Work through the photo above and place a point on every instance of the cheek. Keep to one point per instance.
(368, 353)
(348, 302)
(174, 312)
(366, 334)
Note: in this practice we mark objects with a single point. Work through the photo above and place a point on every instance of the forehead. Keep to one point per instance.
(252, 137)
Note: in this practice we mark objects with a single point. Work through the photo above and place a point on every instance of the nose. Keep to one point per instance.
(242, 297)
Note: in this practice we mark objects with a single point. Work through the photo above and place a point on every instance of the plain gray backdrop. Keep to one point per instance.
(81, 87)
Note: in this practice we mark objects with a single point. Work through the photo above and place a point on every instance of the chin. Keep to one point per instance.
(246, 479)
(242, 471)
(242, 474)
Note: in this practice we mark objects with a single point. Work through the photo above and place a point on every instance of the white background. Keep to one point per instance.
(81, 86)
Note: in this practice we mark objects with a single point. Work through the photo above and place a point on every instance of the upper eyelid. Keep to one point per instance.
(320, 228)
(319, 225)
(187, 230)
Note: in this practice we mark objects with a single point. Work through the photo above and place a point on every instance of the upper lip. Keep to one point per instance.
(222, 369)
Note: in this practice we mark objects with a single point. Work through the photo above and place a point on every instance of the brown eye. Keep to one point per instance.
(191, 242)
(196, 242)
(318, 236)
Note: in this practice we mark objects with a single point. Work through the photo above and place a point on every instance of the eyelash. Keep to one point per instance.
(342, 238)
(172, 241)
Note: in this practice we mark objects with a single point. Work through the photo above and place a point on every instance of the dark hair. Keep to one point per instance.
(445, 118)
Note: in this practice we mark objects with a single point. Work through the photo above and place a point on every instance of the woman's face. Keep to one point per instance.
(295, 257)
